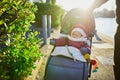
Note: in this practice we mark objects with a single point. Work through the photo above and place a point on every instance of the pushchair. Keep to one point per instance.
(62, 67)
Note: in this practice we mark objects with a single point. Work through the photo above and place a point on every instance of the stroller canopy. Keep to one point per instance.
(78, 16)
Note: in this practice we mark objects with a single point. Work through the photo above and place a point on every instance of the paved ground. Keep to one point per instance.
(103, 51)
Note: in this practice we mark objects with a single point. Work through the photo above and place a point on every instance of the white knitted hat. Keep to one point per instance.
(79, 30)
(82, 38)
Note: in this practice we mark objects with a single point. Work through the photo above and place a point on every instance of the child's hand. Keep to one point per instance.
(52, 41)
(84, 50)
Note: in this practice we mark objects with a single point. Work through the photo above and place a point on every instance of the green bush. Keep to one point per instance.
(18, 56)
(55, 11)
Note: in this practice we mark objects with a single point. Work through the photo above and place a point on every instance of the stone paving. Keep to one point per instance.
(103, 52)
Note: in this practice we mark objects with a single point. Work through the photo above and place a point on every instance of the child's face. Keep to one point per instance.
(76, 34)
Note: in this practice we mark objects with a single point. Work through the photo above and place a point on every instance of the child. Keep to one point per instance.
(77, 37)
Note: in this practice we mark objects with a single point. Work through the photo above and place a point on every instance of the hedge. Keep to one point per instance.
(49, 9)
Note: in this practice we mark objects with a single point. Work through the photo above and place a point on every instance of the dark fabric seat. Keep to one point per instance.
(63, 68)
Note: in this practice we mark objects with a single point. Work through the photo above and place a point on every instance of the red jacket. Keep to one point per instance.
(64, 41)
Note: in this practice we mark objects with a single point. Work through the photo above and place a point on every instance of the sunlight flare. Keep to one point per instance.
(85, 4)
(69, 4)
